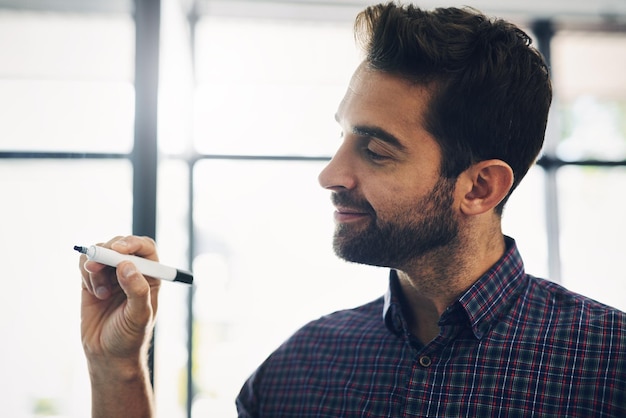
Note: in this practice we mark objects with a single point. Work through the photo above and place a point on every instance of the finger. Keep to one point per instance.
(93, 274)
(139, 311)
(101, 280)
(140, 246)
(84, 274)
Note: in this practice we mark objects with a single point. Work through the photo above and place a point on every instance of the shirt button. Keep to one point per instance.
(425, 361)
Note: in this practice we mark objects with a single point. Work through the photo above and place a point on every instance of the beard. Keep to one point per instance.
(412, 232)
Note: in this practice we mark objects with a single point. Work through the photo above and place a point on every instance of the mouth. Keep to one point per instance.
(346, 214)
(350, 209)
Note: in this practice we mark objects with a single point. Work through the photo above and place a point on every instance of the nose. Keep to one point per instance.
(339, 173)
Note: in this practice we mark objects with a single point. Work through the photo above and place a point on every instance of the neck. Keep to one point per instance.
(435, 281)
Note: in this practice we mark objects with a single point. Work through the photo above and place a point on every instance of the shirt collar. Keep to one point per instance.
(483, 303)
(392, 310)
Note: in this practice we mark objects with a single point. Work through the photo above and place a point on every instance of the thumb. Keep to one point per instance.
(137, 289)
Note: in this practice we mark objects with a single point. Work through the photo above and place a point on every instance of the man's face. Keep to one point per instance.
(392, 205)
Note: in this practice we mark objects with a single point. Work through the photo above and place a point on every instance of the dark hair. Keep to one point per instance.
(491, 90)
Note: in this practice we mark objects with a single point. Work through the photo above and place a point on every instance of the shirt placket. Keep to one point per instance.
(426, 391)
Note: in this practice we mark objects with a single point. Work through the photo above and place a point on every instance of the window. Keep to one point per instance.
(247, 94)
(65, 87)
(592, 102)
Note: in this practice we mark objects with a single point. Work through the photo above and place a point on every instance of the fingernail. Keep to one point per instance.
(128, 270)
(102, 292)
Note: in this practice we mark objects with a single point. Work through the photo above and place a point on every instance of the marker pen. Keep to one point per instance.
(146, 267)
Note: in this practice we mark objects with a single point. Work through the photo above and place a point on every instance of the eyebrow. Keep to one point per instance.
(378, 133)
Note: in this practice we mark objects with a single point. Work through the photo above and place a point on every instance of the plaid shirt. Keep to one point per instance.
(512, 346)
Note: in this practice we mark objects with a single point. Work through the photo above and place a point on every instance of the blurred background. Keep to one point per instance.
(204, 124)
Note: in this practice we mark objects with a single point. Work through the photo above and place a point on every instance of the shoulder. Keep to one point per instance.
(558, 294)
(343, 325)
(322, 348)
(329, 333)
(552, 299)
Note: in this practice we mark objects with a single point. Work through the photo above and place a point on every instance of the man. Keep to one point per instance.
(440, 123)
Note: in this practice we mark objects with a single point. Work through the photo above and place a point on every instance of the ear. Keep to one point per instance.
(483, 185)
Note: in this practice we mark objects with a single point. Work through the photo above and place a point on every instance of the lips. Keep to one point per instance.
(346, 214)
(348, 209)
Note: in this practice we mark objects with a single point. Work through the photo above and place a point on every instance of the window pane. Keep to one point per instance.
(265, 267)
(66, 116)
(586, 63)
(270, 87)
(593, 128)
(592, 229)
(48, 207)
(591, 92)
(524, 219)
(176, 81)
(67, 46)
(171, 330)
(66, 82)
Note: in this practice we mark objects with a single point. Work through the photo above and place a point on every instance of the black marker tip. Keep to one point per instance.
(80, 249)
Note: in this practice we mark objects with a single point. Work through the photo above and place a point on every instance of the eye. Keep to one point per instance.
(373, 155)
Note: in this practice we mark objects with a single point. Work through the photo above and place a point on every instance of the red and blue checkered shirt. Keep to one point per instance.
(512, 345)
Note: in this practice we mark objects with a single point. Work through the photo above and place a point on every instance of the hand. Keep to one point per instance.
(118, 311)
(118, 308)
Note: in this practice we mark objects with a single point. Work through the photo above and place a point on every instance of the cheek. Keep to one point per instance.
(393, 201)
(397, 191)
